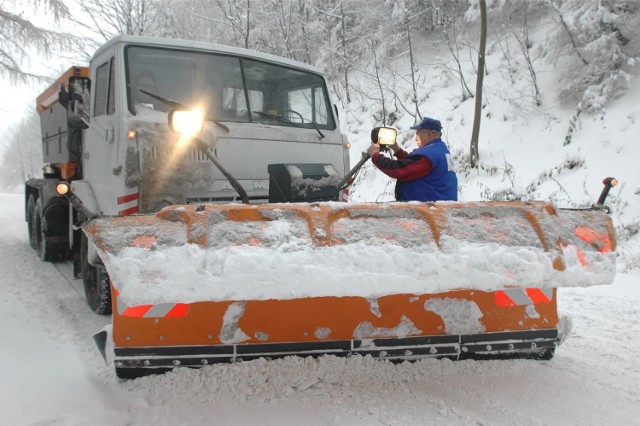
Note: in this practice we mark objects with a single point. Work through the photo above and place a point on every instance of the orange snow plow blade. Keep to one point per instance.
(195, 285)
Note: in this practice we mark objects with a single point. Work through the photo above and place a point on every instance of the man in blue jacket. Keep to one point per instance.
(425, 174)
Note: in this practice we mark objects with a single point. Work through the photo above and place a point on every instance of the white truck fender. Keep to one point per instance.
(83, 190)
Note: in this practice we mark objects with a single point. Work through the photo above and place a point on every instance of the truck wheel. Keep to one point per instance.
(97, 288)
(31, 226)
(47, 251)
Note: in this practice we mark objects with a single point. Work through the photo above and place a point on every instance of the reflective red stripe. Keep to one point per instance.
(127, 198)
(178, 311)
(502, 299)
(537, 296)
(136, 311)
(128, 211)
(521, 297)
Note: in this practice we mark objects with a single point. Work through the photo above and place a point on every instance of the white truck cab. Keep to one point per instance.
(268, 125)
(261, 110)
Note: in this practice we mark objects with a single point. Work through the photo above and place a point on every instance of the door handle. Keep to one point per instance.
(109, 135)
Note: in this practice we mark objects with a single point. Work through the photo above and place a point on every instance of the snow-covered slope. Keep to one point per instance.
(555, 152)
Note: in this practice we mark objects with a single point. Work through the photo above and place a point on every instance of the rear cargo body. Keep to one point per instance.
(330, 284)
(58, 146)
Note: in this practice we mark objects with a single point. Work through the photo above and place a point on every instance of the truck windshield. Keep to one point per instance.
(227, 88)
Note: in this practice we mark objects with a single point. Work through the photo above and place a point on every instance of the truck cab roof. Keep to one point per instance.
(206, 47)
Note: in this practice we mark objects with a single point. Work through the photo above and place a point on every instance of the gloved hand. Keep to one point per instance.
(373, 149)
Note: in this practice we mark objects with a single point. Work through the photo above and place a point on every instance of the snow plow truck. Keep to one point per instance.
(199, 190)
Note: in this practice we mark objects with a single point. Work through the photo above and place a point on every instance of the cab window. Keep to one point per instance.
(104, 90)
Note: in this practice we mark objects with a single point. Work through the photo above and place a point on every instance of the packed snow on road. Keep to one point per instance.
(55, 375)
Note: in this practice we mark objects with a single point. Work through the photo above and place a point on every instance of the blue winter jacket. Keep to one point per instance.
(439, 185)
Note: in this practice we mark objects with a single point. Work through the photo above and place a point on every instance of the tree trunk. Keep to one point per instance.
(248, 27)
(412, 64)
(379, 82)
(344, 53)
(524, 46)
(474, 156)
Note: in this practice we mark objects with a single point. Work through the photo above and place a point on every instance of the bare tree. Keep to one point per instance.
(189, 22)
(474, 155)
(345, 56)
(379, 82)
(525, 44)
(109, 18)
(282, 17)
(453, 48)
(238, 17)
(19, 37)
(373, 75)
(408, 29)
(304, 19)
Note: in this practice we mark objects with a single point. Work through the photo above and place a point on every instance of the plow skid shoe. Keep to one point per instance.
(195, 285)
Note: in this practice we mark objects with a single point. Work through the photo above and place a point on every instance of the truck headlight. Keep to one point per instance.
(63, 188)
(188, 123)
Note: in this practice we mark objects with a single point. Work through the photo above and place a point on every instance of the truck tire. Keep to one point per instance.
(47, 251)
(31, 228)
(97, 288)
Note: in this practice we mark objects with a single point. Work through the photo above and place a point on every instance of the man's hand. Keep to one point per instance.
(373, 149)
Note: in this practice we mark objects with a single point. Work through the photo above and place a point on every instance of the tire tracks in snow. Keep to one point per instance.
(51, 297)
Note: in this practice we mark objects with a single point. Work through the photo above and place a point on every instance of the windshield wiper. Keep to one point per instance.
(175, 104)
(286, 121)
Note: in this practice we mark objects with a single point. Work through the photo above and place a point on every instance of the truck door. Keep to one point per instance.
(101, 145)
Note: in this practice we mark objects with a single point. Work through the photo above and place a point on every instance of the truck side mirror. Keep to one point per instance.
(79, 102)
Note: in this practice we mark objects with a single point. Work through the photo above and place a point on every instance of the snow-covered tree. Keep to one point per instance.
(109, 18)
(22, 158)
(20, 38)
(594, 37)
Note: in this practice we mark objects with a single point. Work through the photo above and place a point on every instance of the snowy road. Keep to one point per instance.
(52, 373)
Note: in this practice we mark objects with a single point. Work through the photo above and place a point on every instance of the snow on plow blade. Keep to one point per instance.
(194, 285)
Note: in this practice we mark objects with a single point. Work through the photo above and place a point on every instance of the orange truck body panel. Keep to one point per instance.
(50, 95)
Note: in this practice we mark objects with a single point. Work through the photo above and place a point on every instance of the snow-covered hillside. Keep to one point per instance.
(554, 152)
